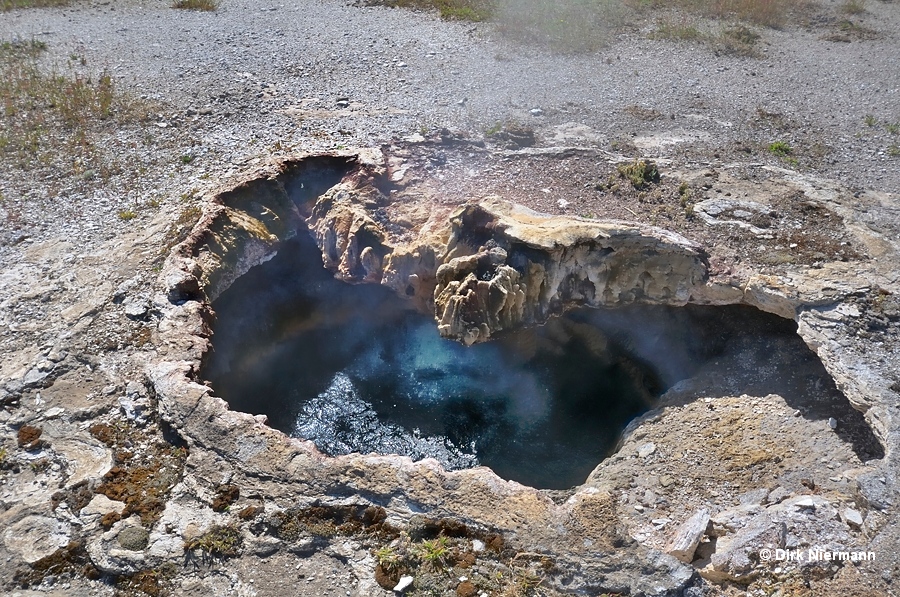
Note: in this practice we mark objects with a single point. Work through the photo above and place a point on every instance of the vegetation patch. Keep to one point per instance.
(72, 559)
(6, 5)
(218, 542)
(738, 41)
(142, 478)
(156, 582)
(640, 173)
(847, 31)
(28, 437)
(455, 10)
(226, 495)
(512, 135)
(780, 149)
(329, 521)
(205, 5)
(52, 117)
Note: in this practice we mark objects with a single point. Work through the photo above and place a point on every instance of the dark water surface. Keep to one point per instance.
(354, 369)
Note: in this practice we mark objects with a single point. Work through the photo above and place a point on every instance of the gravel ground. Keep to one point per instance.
(220, 92)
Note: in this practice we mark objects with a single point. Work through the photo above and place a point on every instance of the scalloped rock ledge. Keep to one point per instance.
(484, 265)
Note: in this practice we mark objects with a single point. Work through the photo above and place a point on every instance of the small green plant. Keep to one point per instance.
(894, 151)
(387, 558)
(870, 120)
(684, 199)
(187, 158)
(893, 128)
(433, 553)
(207, 5)
(218, 542)
(127, 214)
(640, 173)
(780, 149)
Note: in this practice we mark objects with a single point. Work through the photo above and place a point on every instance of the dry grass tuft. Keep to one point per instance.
(6, 5)
(854, 7)
(207, 5)
(769, 13)
(45, 114)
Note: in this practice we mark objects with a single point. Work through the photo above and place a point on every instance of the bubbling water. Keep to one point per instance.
(354, 369)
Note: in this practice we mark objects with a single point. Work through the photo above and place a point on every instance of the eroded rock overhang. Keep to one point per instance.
(480, 266)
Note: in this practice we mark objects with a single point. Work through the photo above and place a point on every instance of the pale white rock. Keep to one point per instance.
(101, 505)
(646, 449)
(404, 582)
(732, 559)
(35, 537)
(852, 517)
(687, 536)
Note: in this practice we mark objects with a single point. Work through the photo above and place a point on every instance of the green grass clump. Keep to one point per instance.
(640, 173)
(780, 149)
(434, 554)
(127, 214)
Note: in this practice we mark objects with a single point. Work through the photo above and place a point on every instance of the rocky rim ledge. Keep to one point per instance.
(485, 265)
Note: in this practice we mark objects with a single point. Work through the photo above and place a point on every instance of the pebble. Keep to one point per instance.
(646, 449)
(404, 582)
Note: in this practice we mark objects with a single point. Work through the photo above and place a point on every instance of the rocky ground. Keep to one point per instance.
(101, 496)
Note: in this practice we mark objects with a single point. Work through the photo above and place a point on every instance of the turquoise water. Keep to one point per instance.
(355, 370)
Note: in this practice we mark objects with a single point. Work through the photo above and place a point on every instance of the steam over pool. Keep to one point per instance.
(354, 369)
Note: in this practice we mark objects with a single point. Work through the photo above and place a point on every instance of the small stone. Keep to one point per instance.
(646, 450)
(666, 480)
(136, 307)
(537, 112)
(852, 517)
(832, 422)
(477, 545)
(687, 537)
(806, 503)
(54, 412)
(404, 582)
